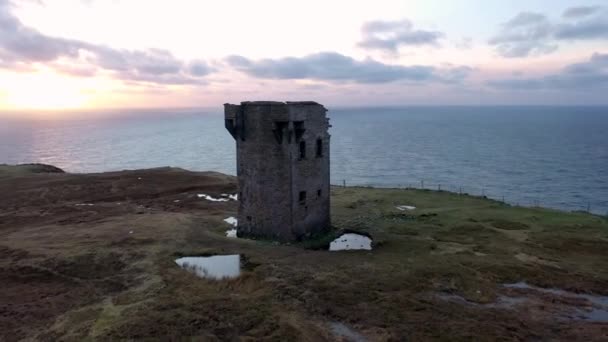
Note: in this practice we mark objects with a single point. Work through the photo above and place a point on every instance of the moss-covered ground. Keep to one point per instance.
(106, 270)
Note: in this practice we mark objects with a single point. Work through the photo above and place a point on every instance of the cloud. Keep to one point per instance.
(21, 45)
(591, 27)
(525, 34)
(151, 61)
(391, 35)
(530, 33)
(334, 67)
(583, 11)
(199, 68)
(27, 44)
(454, 73)
(464, 43)
(75, 70)
(591, 74)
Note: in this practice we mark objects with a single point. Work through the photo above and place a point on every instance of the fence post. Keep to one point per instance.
(422, 184)
(483, 192)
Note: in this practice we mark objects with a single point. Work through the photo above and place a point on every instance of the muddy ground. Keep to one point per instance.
(91, 256)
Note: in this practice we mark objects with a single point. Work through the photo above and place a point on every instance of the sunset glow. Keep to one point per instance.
(106, 54)
(44, 90)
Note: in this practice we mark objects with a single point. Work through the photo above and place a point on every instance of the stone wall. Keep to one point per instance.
(270, 137)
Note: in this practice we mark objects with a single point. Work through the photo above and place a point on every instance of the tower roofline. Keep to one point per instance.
(277, 103)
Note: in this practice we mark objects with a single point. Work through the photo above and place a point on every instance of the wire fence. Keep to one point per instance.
(494, 194)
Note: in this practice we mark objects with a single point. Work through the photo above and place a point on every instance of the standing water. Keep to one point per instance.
(212, 267)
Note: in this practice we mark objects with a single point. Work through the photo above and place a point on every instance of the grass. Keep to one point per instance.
(455, 244)
(24, 169)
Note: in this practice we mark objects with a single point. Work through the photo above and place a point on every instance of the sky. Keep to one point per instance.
(94, 54)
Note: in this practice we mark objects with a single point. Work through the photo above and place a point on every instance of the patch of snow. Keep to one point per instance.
(231, 233)
(351, 241)
(232, 221)
(212, 199)
(405, 207)
(139, 178)
(130, 232)
(84, 204)
(176, 201)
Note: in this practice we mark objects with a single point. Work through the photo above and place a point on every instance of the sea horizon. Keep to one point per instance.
(503, 152)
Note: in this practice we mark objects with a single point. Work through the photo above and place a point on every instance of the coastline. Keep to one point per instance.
(92, 256)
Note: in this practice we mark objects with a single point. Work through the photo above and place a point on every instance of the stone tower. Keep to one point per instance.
(282, 154)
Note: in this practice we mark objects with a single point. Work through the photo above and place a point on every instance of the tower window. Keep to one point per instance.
(319, 148)
(302, 149)
(279, 127)
(302, 197)
(319, 193)
(299, 129)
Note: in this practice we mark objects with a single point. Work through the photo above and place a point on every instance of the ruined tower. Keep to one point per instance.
(282, 154)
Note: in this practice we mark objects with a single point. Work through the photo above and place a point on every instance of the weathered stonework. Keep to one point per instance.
(282, 168)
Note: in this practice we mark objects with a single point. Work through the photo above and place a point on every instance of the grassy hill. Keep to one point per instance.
(92, 256)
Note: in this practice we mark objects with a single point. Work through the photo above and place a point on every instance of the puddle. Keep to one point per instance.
(597, 300)
(507, 302)
(595, 311)
(234, 197)
(231, 221)
(405, 207)
(212, 267)
(212, 199)
(595, 315)
(598, 312)
(351, 241)
(502, 302)
(344, 332)
(231, 233)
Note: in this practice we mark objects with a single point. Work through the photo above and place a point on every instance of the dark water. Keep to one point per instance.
(551, 156)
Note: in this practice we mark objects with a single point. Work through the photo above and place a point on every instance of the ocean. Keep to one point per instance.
(554, 157)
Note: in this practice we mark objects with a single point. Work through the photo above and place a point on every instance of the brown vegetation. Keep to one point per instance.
(92, 256)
